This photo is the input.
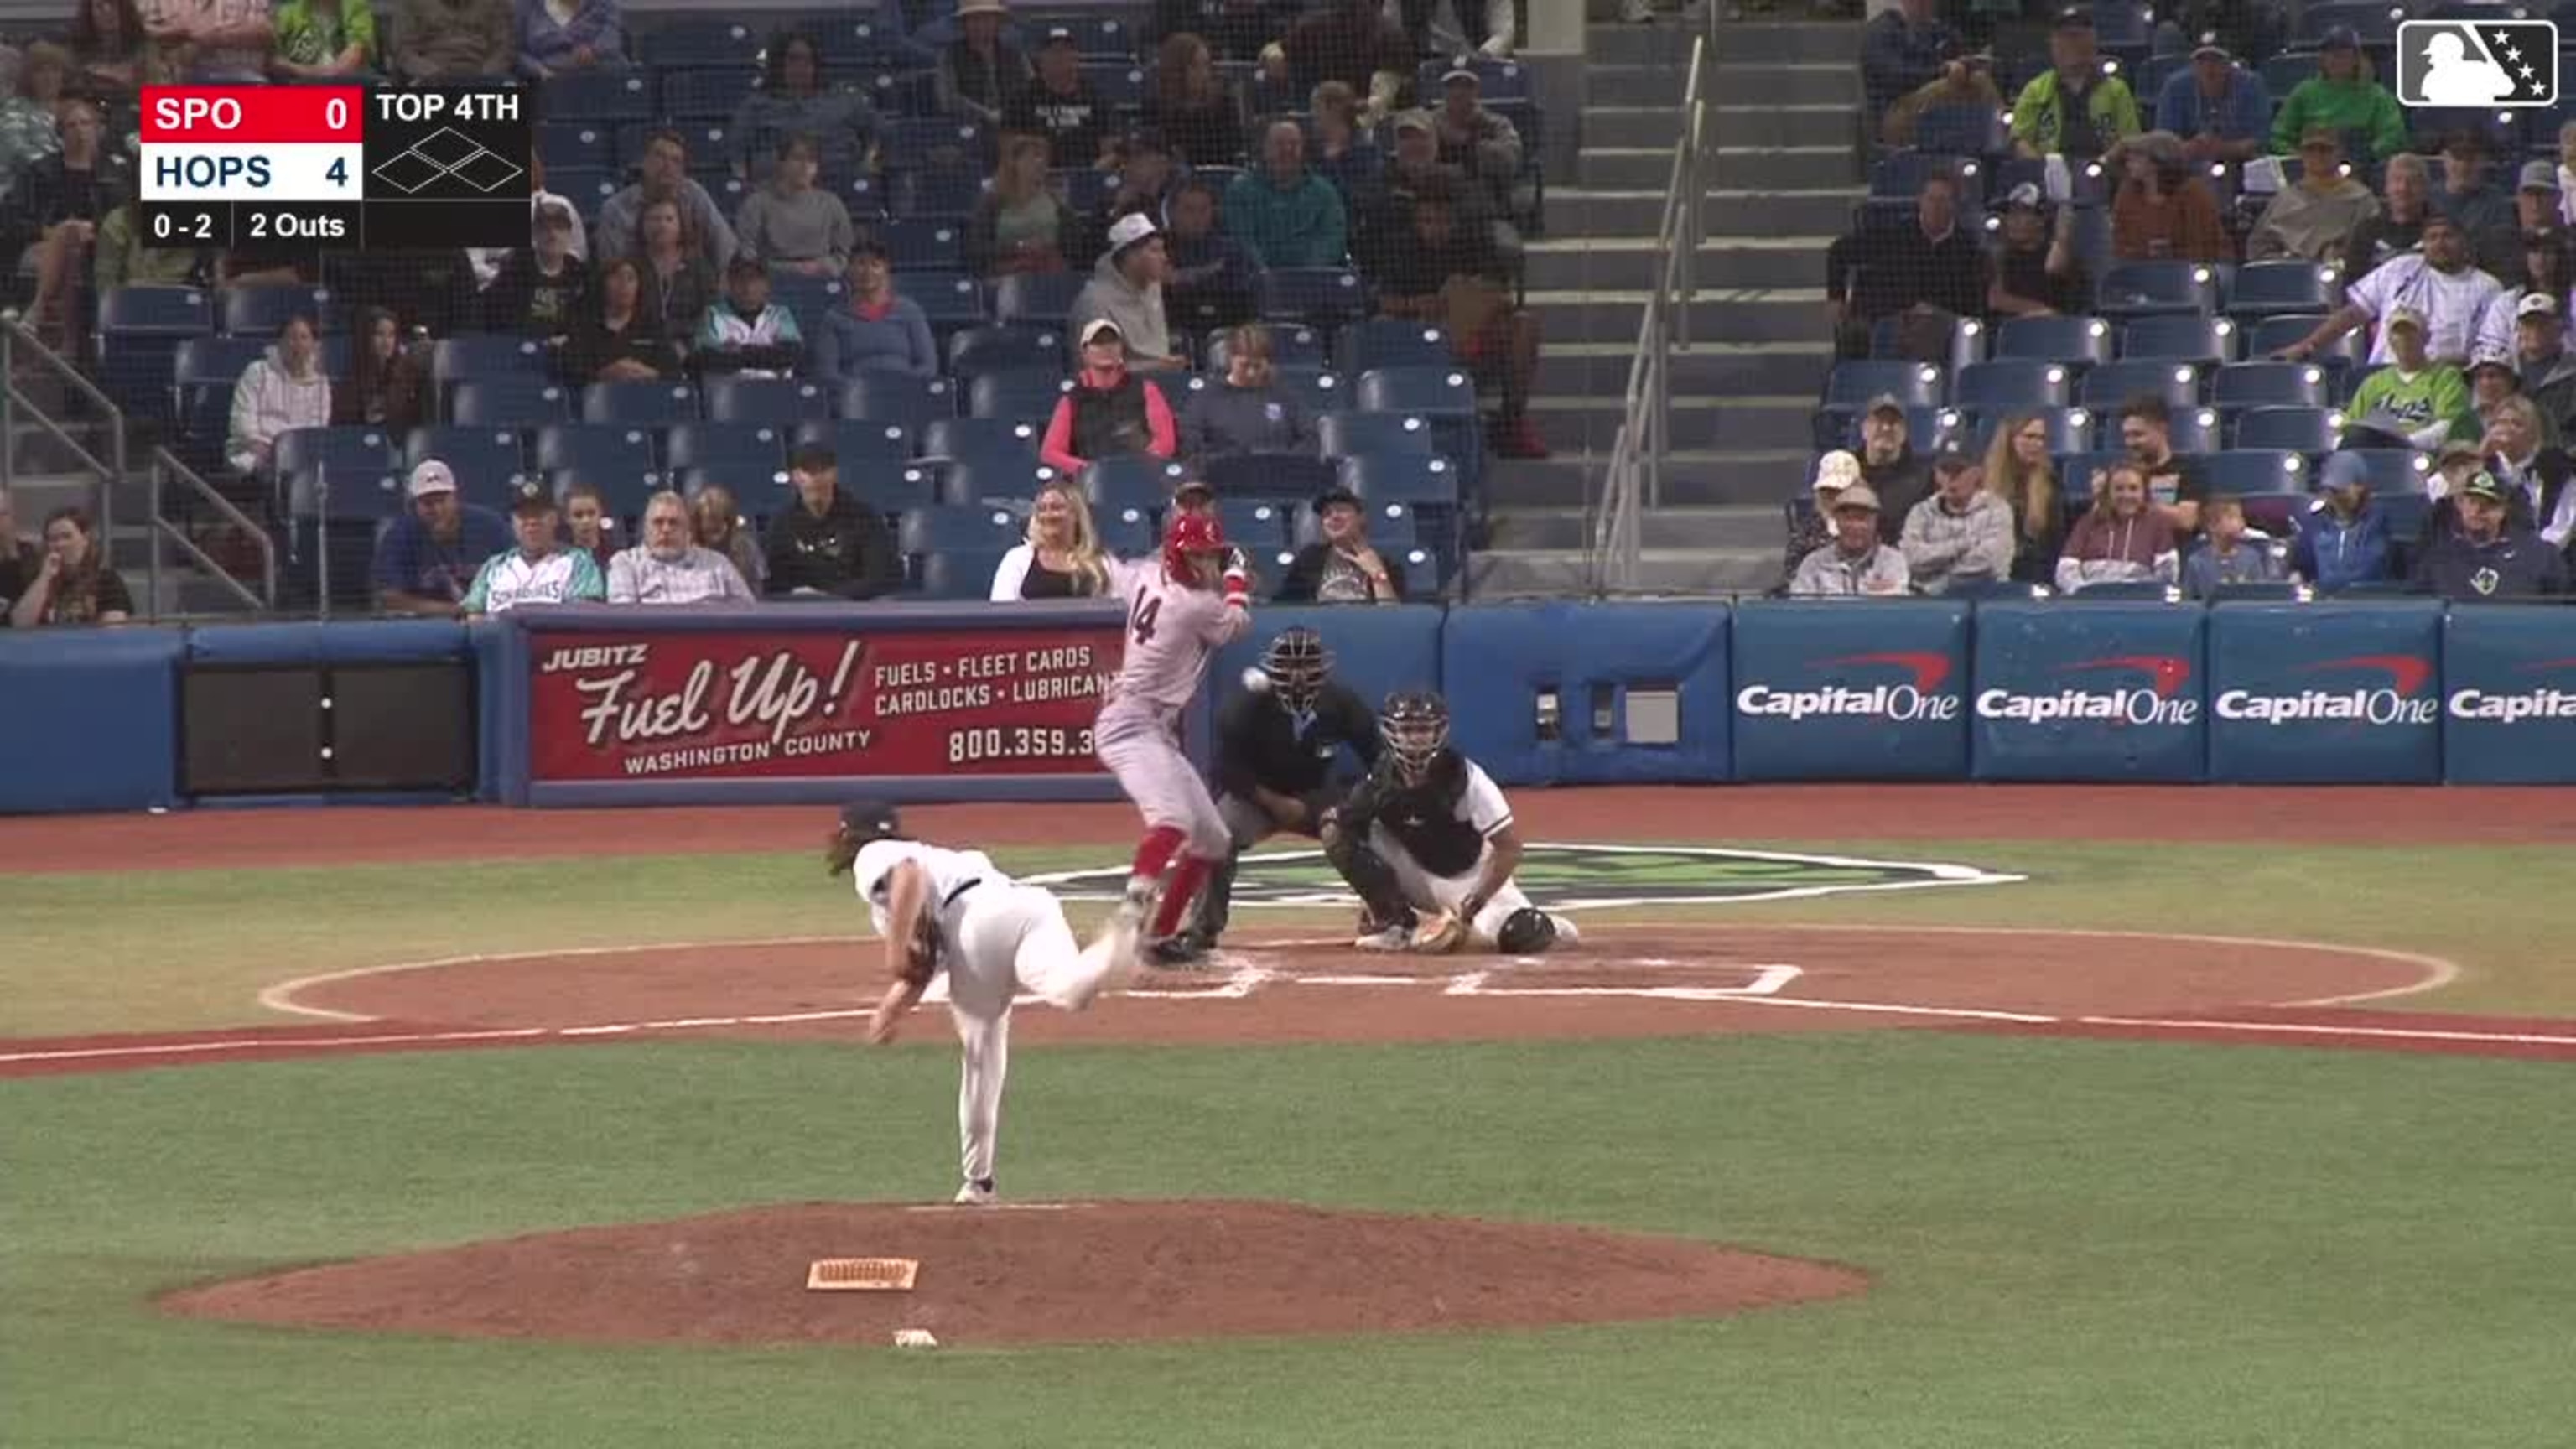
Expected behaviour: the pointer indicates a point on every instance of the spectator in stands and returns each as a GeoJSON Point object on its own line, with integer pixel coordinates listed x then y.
{"type": "Point", "coordinates": [1810, 528]}
{"type": "Point", "coordinates": [2072, 108]}
{"type": "Point", "coordinates": [2468, 197]}
{"type": "Point", "coordinates": [1192, 106]}
{"type": "Point", "coordinates": [2121, 539]}
{"type": "Point", "coordinates": [2164, 209]}
{"type": "Point", "coordinates": [324, 39]}
{"type": "Point", "coordinates": [1341, 566]}
{"type": "Point", "coordinates": [1063, 107]}
{"type": "Point", "coordinates": [72, 583]}
{"type": "Point", "coordinates": [1342, 151]}
{"type": "Point", "coordinates": [1110, 411]}
{"type": "Point", "coordinates": [28, 133]}
{"type": "Point", "coordinates": [452, 39]}
{"type": "Point", "coordinates": [486, 261]}
{"type": "Point", "coordinates": [59, 203]}
{"type": "Point", "coordinates": [1284, 214]}
{"type": "Point", "coordinates": [876, 328]}
{"type": "Point", "coordinates": [614, 339]}
{"type": "Point", "coordinates": [1212, 274]}
{"type": "Point", "coordinates": [1475, 138]}
{"type": "Point", "coordinates": [2548, 373]}
{"type": "Point", "coordinates": [2229, 556]}
{"type": "Point", "coordinates": [282, 390]}
{"type": "Point", "coordinates": [1414, 170]}
{"type": "Point", "coordinates": [535, 569]}
{"type": "Point", "coordinates": [793, 100]}
{"type": "Point", "coordinates": [2437, 281]}
{"type": "Point", "coordinates": [2567, 174]}
{"type": "Point", "coordinates": [2175, 483]}
{"type": "Point", "coordinates": [2489, 555]}
{"type": "Point", "coordinates": [212, 42]}
{"type": "Point", "coordinates": [2035, 270]}
{"type": "Point", "coordinates": [540, 288]}
{"type": "Point", "coordinates": [746, 334]}
{"type": "Point", "coordinates": [1484, 26]}
{"type": "Point", "coordinates": [2415, 400]}
{"type": "Point", "coordinates": [1246, 411]}
{"type": "Point", "coordinates": [668, 568]}
{"type": "Point", "coordinates": [1902, 49]}
{"type": "Point", "coordinates": [386, 379]}
{"type": "Point", "coordinates": [829, 544]}
{"type": "Point", "coordinates": [1967, 80]}
{"type": "Point", "coordinates": [2548, 269]}
{"type": "Point", "coordinates": [1144, 183]}
{"type": "Point", "coordinates": [1858, 561]}
{"type": "Point", "coordinates": [1962, 533]}
{"type": "Point", "coordinates": [2341, 97]}
{"type": "Point", "coordinates": [1452, 278]}
{"type": "Point", "coordinates": [1059, 555]}
{"type": "Point", "coordinates": [2534, 474]}
{"type": "Point", "coordinates": [1350, 41]}
{"type": "Point", "coordinates": [2492, 380]}
{"type": "Point", "coordinates": [1127, 288]}
{"type": "Point", "coordinates": [1019, 224]}
{"type": "Point", "coordinates": [1928, 269]}
{"type": "Point", "coordinates": [2406, 198]}
{"type": "Point", "coordinates": [1897, 475]}
{"type": "Point", "coordinates": [2221, 109]}
{"type": "Point", "coordinates": [586, 524]}
{"type": "Point", "coordinates": [980, 72]}
{"type": "Point", "coordinates": [2535, 202]}
{"type": "Point", "coordinates": [19, 559]}
{"type": "Point", "coordinates": [555, 36]}
{"type": "Point", "coordinates": [720, 529]}
{"type": "Point", "coordinates": [1239, 29]}
{"type": "Point", "coordinates": [663, 172]}
{"type": "Point", "coordinates": [2342, 535]}
{"type": "Point", "coordinates": [2020, 471]}
{"type": "Point", "coordinates": [120, 257]}
{"type": "Point", "coordinates": [109, 42]}
{"type": "Point", "coordinates": [793, 224]}
{"type": "Point", "coordinates": [2318, 218]}
{"type": "Point", "coordinates": [428, 556]}
{"type": "Point", "coordinates": [679, 283]}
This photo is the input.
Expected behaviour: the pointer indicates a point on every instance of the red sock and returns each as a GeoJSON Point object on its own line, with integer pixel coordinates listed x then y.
{"type": "Point", "coordinates": [1187, 875]}
{"type": "Point", "coordinates": [1160, 845]}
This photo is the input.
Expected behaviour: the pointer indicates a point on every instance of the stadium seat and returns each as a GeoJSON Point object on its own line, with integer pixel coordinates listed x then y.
{"type": "Point", "coordinates": [892, 490]}
{"type": "Point", "coordinates": [462, 359]}
{"type": "Point", "coordinates": [261, 311]}
{"type": "Point", "coordinates": [2072, 340]}
{"type": "Point", "coordinates": [2241, 471]}
{"type": "Point", "coordinates": [1967, 342]}
{"type": "Point", "coordinates": [600, 94]}
{"type": "Point", "coordinates": [991, 480]}
{"type": "Point", "coordinates": [2112, 384]}
{"type": "Point", "coordinates": [623, 491]}
{"type": "Point", "coordinates": [1900, 175]}
{"type": "Point", "coordinates": [1434, 392]}
{"type": "Point", "coordinates": [1039, 299]}
{"type": "Point", "coordinates": [1099, 34]}
{"type": "Point", "coordinates": [2076, 471]}
{"type": "Point", "coordinates": [1131, 482]}
{"type": "Point", "coordinates": [1290, 347]}
{"type": "Point", "coordinates": [2375, 21]}
{"type": "Point", "coordinates": [2124, 593]}
{"type": "Point", "coordinates": [1126, 532]}
{"type": "Point", "coordinates": [2266, 289]}
{"type": "Point", "coordinates": [214, 361]}
{"type": "Point", "coordinates": [595, 448]}
{"type": "Point", "coordinates": [1959, 131]}
{"type": "Point", "coordinates": [725, 444]}
{"type": "Point", "coordinates": [2195, 430]}
{"type": "Point", "coordinates": [1322, 392]}
{"type": "Point", "coordinates": [710, 93]}
{"type": "Point", "coordinates": [776, 400]}
{"type": "Point", "coordinates": [508, 402]}
{"type": "Point", "coordinates": [2141, 289]}
{"type": "Point", "coordinates": [1008, 347]}
{"type": "Point", "coordinates": [2270, 334]}
{"type": "Point", "coordinates": [1497, 80]}
{"type": "Point", "coordinates": [2283, 73]}
{"type": "Point", "coordinates": [2013, 384]}
{"type": "Point", "coordinates": [1084, 189]}
{"type": "Point", "coordinates": [948, 299]}
{"type": "Point", "coordinates": [863, 196]}
{"type": "Point", "coordinates": [2408, 511]}
{"type": "Point", "coordinates": [496, 454]}
{"type": "Point", "coordinates": [2301, 429]}
{"type": "Point", "coordinates": [1315, 296]}
{"type": "Point", "coordinates": [747, 481]}
{"type": "Point", "coordinates": [656, 403]}
{"type": "Point", "coordinates": [894, 397]}
{"type": "Point", "coordinates": [2395, 471]}
{"type": "Point", "coordinates": [135, 328]}
{"type": "Point", "coordinates": [2070, 430]}
{"type": "Point", "coordinates": [811, 299]}
{"type": "Point", "coordinates": [1273, 475]}
{"type": "Point", "coordinates": [699, 40]}
{"type": "Point", "coordinates": [938, 530]}
{"type": "Point", "coordinates": [2269, 384]}
{"type": "Point", "coordinates": [1925, 428]}
{"type": "Point", "coordinates": [1377, 342]}
{"type": "Point", "coordinates": [2281, 592]}
{"type": "Point", "coordinates": [573, 145]}
{"type": "Point", "coordinates": [961, 575]}
{"type": "Point", "coordinates": [866, 441]}
{"type": "Point", "coordinates": [1028, 394]}
{"type": "Point", "coordinates": [356, 452]}
{"type": "Point", "coordinates": [2206, 340]}
{"type": "Point", "coordinates": [936, 143]}
{"type": "Point", "coordinates": [979, 440]}
{"type": "Point", "coordinates": [1120, 85]}
{"type": "Point", "coordinates": [913, 189]}
{"type": "Point", "coordinates": [1259, 524]}
{"type": "Point", "coordinates": [850, 41]}
{"type": "Point", "coordinates": [1855, 383]}
{"type": "Point", "coordinates": [1351, 435]}
{"type": "Point", "coordinates": [922, 243]}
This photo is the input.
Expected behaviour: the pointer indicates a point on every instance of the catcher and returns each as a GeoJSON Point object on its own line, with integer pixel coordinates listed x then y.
{"type": "Point", "coordinates": [951, 910]}
{"type": "Point", "coordinates": [1427, 842]}
{"type": "Point", "coordinates": [1276, 744]}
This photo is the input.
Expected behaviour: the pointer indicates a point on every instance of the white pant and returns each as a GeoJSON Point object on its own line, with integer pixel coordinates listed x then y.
{"type": "Point", "coordinates": [1428, 892]}
{"type": "Point", "coordinates": [1007, 938]}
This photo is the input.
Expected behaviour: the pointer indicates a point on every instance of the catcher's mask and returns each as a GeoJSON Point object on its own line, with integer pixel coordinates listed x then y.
{"type": "Point", "coordinates": [861, 822]}
{"type": "Point", "coordinates": [1415, 726]}
{"type": "Point", "coordinates": [1297, 663]}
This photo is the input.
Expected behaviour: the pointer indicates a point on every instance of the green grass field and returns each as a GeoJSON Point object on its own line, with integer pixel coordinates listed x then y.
{"type": "Point", "coordinates": [2082, 1243]}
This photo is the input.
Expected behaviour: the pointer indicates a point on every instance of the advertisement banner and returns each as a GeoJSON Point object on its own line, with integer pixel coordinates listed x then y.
{"type": "Point", "coordinates": [2325, 694]}
{"type": "Point", "coordinates": [2509, 695]}
{"type": "Point", "coordinates": [2067, 690]}
{"type": "Point", "coordinates": [755, 704]}
{"type": "Point", "coordinates": [1851, 689]}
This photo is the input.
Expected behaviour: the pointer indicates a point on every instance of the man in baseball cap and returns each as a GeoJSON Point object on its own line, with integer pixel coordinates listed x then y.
{"type": "Point", "coordinates": [1855, 563]}
{"type": "Point", "coordinates": [2340, 97]}
{"type": "Point", "coordinates": [1127, 289]}
{"type": "Point", "coordinates": [2485, 553]}
{"type": "Point", "coordinates": [2035, 267]}
{"type": "Point", "coordinates": [2073, 108]}
{"type": "Point", "coordinates": [2413, 399]}
{"type": "Point", "coordinates": [1898, 476]}
{"type": "Point", "coordinates": [1962, 533]}
{"type": "Point", "coordinates": [2315, 219]}
{"type": "Point", "coordinates": [1063, 106]}
{"type": "Point", "coordinates": [428, 556]}
{"type": "Point", "coordinates": [2547, 373]}
{"type": "Point", "coordinates": [2342, 535]}
{"type": "Point", "coordinates": [2454, 293]}
{"type": "Point", "coordinates": [2219, 108]}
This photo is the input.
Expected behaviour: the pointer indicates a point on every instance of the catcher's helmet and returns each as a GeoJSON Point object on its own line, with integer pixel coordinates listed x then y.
{"type": "Point", "coordinates": [1415, 726]}
{"type": "Point", "coordinates": [1297, 663]}
{"type": "Point", "coordinates": [1187, 534]}
{"type": "Point", "coordinates": [866, 820]}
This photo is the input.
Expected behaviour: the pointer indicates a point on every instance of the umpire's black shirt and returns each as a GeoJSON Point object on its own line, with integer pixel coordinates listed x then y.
{"type": "Point", "coordinates": [1260, 741]}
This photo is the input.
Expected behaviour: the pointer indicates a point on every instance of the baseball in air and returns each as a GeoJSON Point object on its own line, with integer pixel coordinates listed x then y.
{"type": "Point", "coordinates": [1256, 681]}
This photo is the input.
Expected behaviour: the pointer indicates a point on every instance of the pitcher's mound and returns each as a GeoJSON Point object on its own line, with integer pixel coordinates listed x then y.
{"type": "Point", "coordinates": [1079, 1272]}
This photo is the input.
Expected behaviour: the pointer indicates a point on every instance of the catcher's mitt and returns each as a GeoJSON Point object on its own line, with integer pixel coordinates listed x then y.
{"type": "Point", "coordinates": [1438, 935]}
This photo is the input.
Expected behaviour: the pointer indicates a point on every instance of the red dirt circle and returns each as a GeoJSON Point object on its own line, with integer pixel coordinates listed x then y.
{"type": "Point", "coordinates": [1027, 1273]}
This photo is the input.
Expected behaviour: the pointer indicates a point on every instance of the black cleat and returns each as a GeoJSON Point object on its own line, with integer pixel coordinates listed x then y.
{"type": "Point", "coordinates": [1177, 953]}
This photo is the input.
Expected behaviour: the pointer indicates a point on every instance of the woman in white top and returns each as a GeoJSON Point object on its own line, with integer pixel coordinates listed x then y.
{"type": "Point", "coordinates": [1062, 558]}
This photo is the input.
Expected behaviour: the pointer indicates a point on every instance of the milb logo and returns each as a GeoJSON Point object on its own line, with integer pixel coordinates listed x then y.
{"type": "Point", "coordinates": [2516, 708]}
{"type": "Point", "coordinates": [1917, 699]}
{"type": "Point", "coordinates": [2395, 703]}
{"type": "Point", "coordinates": [2480, 63]}
{"type": "Point", "coordinates": [2157, 702]}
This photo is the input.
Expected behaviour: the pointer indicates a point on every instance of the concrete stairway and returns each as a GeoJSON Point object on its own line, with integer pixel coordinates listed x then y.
{"type": "Point", "coordinates": [45, 475]}
{"type": "Point", "coordinates": [1786, 176]}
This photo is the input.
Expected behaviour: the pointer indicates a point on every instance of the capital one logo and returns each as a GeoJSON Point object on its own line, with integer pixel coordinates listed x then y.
{"type": "Point", "coordinates": [2537, 703]}
{"type": "Point", "coordinates": [1916, 697]}
{"type": "Point", "coordinates": [2393, 704]}
{"type": "Point", "coordinates": [2151, 695]}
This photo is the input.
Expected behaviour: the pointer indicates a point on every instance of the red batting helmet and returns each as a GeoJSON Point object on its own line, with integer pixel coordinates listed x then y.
{"type": "Point", "coordinates": [1186, 534]}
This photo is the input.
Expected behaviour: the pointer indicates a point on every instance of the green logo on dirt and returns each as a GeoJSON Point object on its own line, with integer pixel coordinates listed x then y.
{"type": "Point", "coordinates": [1589, 877]}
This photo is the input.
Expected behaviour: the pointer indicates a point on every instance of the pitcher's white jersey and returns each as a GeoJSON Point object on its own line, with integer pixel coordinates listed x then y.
{"type": "Point", "coordinates": [946, 871]}
{"type": "Point", "coordinates": [1172, 630]}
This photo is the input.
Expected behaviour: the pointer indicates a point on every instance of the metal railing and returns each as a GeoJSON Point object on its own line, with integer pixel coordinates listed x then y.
{"type": "Point", "coordinates": [167, 467]}
{"type": "Point", "coordinates": [1634, 480]}
{"type": "Point", "coordinates": [22, 354]}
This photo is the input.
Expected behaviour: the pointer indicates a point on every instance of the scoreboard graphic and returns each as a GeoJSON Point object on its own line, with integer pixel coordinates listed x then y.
{"type": "Point", "coordinates": [298, 168]}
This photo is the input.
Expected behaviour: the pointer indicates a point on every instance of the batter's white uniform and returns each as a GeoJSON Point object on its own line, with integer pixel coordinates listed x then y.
{"type": "Point", "coordinates": [1481, 809]}
{"type": "Point", "coordinates": [1172, 632]}
{"type": "Point", "coordinates": [998, 938]}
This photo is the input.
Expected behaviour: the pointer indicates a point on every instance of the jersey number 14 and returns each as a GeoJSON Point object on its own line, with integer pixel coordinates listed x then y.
{"type": "Point", "coordinates": [1140, 619]}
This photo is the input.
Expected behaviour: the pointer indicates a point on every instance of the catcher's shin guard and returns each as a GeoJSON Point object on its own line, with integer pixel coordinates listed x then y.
{"type": "Point", "coordinates": [1369, 877]}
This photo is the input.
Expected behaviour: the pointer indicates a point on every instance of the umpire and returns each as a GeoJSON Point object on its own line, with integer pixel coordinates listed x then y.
{"type": "Point", "coordinates": [1275, 749]}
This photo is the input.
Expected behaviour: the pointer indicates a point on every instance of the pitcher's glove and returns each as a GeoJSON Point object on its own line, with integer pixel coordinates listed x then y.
{"type": "Point", "coordinates": [1440, 934]}
{"type": "Point", "coordinates": [922, 953]}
